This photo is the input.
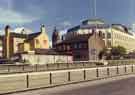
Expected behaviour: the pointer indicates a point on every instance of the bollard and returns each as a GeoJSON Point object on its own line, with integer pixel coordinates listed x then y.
{"type": "Point", "coordinates": [27, 80]}
{"type": "Point", "coordinates": [50, 76]}
{"type": "Point", "coordinates": [132, 68]}
{"type": "Point", "coordinates": [84, 74]}
{"type": "Point", "coordinates": [69, 79]}
{"type": "Point", "coordinates": [108, 72]}
{"type": "Point", "coordinates": [125, 69]}
{"type": "Point", "coordinates": [97, 72]}
{"type": "Point", "coordinates": [117, 70]}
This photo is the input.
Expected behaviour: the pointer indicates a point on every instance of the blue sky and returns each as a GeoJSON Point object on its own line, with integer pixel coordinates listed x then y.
{"type": "Point", "coordinates": [63, 13]}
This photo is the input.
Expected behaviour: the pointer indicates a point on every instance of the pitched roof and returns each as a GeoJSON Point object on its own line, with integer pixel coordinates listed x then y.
{"type": "Point", "coordinates": [77, 38]}
{"type": "Point", "coordinates": [18, 35]}
{"type": "Point", "coordinates": [32, 36]}
{"type": "Point", "coordinates": [48, 52]}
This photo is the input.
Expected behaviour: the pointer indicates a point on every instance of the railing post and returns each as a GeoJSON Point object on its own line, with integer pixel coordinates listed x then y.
{"type": "Point", "coordinates": [132, 68]}
{"type": "Point", "coordinates": [23, 68]}
{"type": "Point", "coordinates": [117, 70]}
{"type": "Point", "coordinates": [50, 78]}
{"type": "Point", "coordinates": [84, 72]}
{"type": "Point", "coordinates": [69, 78]}
{"type": "Point", "coordinates": [125, 69]}
{"type": "Point", "coordinates": [27, 80]}
{"type": "Point", "coordinates": [108, 71]}
{"type": "Point", "coordinates": [97, 70]}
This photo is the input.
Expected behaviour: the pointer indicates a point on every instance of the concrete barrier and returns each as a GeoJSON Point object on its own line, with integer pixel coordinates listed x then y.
{"type": "Point", "coordinates": [76, 75]}
{"type": "Point", "coordinates": [121, 70]}
{"type": "Point", "coordinates": [29, 68]}
{"type": "Point", "coordinates": [133, 68]}
{"type": "Point", "coordinates": [102, 72]}
{"type": "Point", "coordinates": [37, 80]}
{"type": "Point", "coordinates": [40, 67]}
{"type": "Point", "coordinates": [20, 82]}
{"type": "Point", "coordinates": [12, 83]}
{"type": "Point", "coordinates": [16, 69]}
{"type": "Point", "coordinates": [113, 71]}
{"type": "Point", "coordinates": [128, 69]}
{"type": "Point", "coordinates": [52, 66]}
{"type": "Point", "coordinates": [91, 74]}
{"type": "Point", "coordinates": [4, 69]}
{"type": "Point", "coordinates": [59, 77]}
{"type": "Point", "coordinates": [63, 66]}
{"type": "Point", "coordinates": [71, 65]}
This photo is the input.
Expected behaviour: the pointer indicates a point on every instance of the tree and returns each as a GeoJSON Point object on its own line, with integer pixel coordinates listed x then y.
{"type": "Point", "coordinates": [118, 51]}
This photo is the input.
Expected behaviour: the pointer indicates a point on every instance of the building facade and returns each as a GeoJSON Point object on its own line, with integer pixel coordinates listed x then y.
{"type": "Point", "coordinates": [17, 42]}
{"type": "Point", "coordinates": [109, 34]}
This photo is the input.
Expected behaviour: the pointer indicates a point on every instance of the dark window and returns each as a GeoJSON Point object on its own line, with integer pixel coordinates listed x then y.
{"type": "Point", "coordinates": [75, 46]}
{"type": "Point", "coordinates": [108, 35]}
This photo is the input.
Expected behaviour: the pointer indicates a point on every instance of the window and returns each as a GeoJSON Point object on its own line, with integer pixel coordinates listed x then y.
{"type": "Point", "coordinates": [108, 35]}
{"type": "Point", "coordinates": [75, 46]}
{"type": "Point", "coordinates": [45, 41]}
{"type": "Point", "coordinates": [80, 45]}
{"type": "Point", "coordinates": [37, 41]}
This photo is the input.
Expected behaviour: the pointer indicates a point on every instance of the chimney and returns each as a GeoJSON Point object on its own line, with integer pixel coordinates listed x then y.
{"type": "Point", "coordinates": [42, 29]}
{"type": "Point", "coordinates": [7, 42]}
{"type": "Point", "coordinates": [7, 30]}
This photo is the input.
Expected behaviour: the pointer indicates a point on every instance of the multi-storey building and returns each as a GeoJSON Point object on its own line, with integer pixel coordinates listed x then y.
{"type": "Point", "coordinates": [111, 35]}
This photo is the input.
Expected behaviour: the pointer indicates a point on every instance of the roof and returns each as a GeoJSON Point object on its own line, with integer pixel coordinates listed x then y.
{"type": "Point", "coordinates": [93, 20]}
{"type": "Point", "coordinates": [32, 36]}
{"type": "Point", "coordinates": [18, 35]}
{"type": "Point", "coordinates": [99, 26]}
{"type": "Point", "coordinates": [77, 38]}
{"type": "Point", "coordinates": [48, 52]}
{"type": "Point", "coordinates": [121, 28]}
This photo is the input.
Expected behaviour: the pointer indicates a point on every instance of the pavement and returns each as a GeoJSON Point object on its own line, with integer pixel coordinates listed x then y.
{"type": "Point", "coordinates": [122, 85]}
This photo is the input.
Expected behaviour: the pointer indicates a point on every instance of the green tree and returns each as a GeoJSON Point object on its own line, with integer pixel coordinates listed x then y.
{"type": "Point", "coordinates": [118, 51]}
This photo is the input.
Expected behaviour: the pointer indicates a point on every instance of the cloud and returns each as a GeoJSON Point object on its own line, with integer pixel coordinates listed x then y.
{"type": "Point", "coordinates": [22, 30]}
{"type": "Point", "coordinates": [66, 23]}
{"type": "Point", "coordinates": [12, 16]}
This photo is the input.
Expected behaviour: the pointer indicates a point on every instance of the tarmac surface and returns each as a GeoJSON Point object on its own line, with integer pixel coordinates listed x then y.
{"type": "Point", "coordinates": [123, 85]}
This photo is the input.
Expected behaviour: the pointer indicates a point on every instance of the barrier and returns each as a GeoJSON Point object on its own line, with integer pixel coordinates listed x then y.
{"type": "Point", "coordinates": [121, 70]}
{"type": "Point", "coordinates": [103, 73]}
{"type": "Point", "coordinates": [12, 83]}
{"type": "Point", "coordinates": [20, 82]}
{"type": "Point", "coordinates": [37, 80]}
{"type": "Point", "coordinates": [76, 75]}
{"type": "Point", "coordinates": [59, 77]}
{"type": "Point", "coordinates": [113, 71]}
{"type": "Point", "coordinates": [128, 69]}
{"type": "Point", "coordinates": [91, 74]}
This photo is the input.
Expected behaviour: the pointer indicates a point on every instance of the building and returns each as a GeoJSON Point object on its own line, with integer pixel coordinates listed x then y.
{"type": "Point", "coordinates": [18, 42]}
{"type": "Point", "coordinates": [83, 47]}
{"type": "Point", "coordinates": [46, 56]}
{"type": "Point", "coordinates": [109, 35]}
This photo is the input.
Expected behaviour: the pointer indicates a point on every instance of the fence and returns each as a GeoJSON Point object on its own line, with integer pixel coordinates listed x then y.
{"type": "Point", "coordinates": [27, 81]}
{"type": "Point", "coordinates": [6, 69]}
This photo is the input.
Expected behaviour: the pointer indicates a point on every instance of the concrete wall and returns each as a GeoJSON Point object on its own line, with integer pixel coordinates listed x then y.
{"type": "Point", "coordinates": [46, 59]}
{"type": "Point", "coordinates": [21, 82]}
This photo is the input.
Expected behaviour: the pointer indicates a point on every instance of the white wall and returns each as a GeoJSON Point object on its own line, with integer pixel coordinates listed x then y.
{"type": "Point", "coordinates": [46, 59]}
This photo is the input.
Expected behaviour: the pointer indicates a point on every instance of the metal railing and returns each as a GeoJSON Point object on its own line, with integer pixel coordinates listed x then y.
{"type": "Point", "coordinates": [27, 81]}
{"type": "Point", "coordinates": [12, 68]}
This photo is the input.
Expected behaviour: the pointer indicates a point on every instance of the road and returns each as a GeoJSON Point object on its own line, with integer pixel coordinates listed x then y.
{"type": "Point", "coordinates": [124, 85]}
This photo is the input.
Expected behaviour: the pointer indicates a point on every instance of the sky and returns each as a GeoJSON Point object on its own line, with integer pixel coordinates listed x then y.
{"type": "Point", "coordinates": [63, 13]}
